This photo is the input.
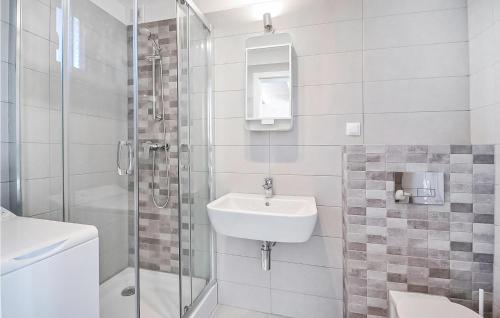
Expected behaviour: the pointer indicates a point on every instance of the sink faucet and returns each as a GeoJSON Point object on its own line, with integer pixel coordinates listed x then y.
{"type": "Point", "coordinates": [268, 187]}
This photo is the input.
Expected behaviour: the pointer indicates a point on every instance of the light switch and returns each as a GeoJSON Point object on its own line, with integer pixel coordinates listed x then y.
{"type": "Point", "coordinates": [353, 129]}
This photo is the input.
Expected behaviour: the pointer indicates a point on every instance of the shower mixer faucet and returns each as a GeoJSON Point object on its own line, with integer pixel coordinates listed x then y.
{"type": "Point", "coordinates": [150, 146]}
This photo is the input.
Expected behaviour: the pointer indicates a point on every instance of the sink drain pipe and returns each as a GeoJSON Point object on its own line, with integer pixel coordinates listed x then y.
{"type": "Point", "coordinates": [265, 251]}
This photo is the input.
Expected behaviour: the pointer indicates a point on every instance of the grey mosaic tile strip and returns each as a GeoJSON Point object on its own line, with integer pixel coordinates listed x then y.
{"type": "Point", "coordinates": [443, 250]}
{"type": "Point", "coordinates": [158, 228]}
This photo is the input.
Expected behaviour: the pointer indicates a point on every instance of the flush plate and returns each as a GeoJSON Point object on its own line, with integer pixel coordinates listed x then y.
{"type": "Point", "coordinates": [422, 187]}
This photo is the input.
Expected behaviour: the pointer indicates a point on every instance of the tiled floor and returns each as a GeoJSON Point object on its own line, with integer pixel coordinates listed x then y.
{"type": "Point", "coordinates": [233, 312]}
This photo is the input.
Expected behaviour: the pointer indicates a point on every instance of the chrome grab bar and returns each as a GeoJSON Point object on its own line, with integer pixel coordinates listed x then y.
{"type": "Point", "coordinates": [120, 170]}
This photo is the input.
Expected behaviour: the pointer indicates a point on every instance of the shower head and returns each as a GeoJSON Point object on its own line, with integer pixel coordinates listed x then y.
{"type": "Point", "coordinates": [147, 33]}
{"type": "Point", "coordinates": [153, 37]}
{"type": "Point", "coordinates": [144, 31]}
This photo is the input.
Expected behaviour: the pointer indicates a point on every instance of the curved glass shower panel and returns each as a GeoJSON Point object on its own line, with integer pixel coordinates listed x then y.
{"type": "Point", "coordinates": [199, 107]}
{"type": "Point", "coordinates": [31, 103]}
{"type": "Point", "coordinates": [194, 141]}
{"type": "Point", "coordinates": [9, 196]}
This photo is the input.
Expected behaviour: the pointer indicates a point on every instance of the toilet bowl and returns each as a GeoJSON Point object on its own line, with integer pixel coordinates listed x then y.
{"type": "Point", "coordinates": [415, 305]}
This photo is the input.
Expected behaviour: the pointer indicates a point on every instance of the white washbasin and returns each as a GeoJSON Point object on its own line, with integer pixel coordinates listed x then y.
{"type": "Point", "coordinates": [287, 219]}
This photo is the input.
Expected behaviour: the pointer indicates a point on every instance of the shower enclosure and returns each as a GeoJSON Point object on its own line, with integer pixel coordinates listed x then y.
{"type": "Point", "coordinates": [106, 120]}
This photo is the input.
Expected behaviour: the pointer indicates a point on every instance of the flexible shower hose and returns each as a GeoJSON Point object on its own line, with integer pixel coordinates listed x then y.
{"type": "Point", "coordinates": [166, 147]}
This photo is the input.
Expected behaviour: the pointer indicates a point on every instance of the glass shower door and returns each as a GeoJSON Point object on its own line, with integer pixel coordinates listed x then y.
{"type": "Point", "coordinates": [65, 108]}
{"type": "Point", "coordinates": [98, 134]}
{"type": "Point", "coordinates": [194, 153]}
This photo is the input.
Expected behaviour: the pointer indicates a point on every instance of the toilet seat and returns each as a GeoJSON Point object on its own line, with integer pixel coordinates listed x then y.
{"type": "Point", "coordinates": [415, 305]}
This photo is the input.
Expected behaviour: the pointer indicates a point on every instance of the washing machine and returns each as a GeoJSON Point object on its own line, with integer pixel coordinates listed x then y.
{"type": "Point", "coordinates": [48, 269]}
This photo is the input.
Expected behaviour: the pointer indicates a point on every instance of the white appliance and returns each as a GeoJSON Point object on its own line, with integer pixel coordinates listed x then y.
{"type": "Point", "coordinates": [48, 269]}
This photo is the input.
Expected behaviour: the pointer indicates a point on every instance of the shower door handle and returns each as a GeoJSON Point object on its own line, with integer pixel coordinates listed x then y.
{"type": "Point", "coordinates": [120, 170]}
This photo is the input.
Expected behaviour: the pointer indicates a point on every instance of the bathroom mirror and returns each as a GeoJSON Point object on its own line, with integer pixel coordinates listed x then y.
{"type": "Point", "coordinates": [269, 82]}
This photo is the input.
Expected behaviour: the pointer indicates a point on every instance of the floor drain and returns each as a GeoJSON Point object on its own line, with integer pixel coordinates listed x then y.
{"type": "Point", "coordinates": [128, 291]}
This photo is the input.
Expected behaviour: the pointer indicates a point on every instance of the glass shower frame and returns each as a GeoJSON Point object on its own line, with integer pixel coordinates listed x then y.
{"type": "Point", "coordinates": [193, 14]}
{"type": "Point", "coordinates": [188, 300]}
{"type": "Point", "coordinates": [195, 62]}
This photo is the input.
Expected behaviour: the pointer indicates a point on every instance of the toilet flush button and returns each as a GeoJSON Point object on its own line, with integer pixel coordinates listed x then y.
{"type": "Point", "coordinates": [353, 129]}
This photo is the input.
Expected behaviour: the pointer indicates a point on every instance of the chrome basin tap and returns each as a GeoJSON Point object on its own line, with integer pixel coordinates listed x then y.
{"type": "Point", "coordinates": [268, 187]}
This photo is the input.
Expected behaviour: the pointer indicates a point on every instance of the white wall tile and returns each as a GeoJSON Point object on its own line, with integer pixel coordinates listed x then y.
{"type": "Point", "coordinates": [482, 49]}
{"type": "Point", "coordinates": [237, 246]}
{"type": "Point", "coordinates": [5, 194]}
{"type": "Point", "coordinates": [319, 251]}
{"type": "Point", "coordinates": [36, 196]}
{"type": "Point", "coordinates": [483, 87]}
{"type": "Point", "coordinates": [56, 194]}
{"type": "Point", "coordinates": [198, 78]}
{"type": "Point", "coordinates": [56, 158]}
{"type": "Point", "coordinates": [7, 112]}
{"type": "Point", "coordinates": [327, 38]}
{"type": "Point", "coordinates": [232, 132]}
{"type": "Point", "coordinates": [5, 164]}
{"type": "Point", "coordinates": [418, 128]}
{"type": "Point", "coordinates": [329, 222]}
{"type": "Point", "coordinates": [496, 287]}
{"type": "Point", "coordinates": [318, 130]}
{"type": "Point", "coordinates": [373, 8]}
{"type": "Point", "coordinates": [481, 16]}
{"type": "Point", "coordinates": [239, 182]}
{"type": "Point", "coordinates": [307, 279]}
{"type": "Point", "coordinates": [306, 160]}
{"type": "Point", "coordinates": [496, 11]}
{"type": "Point", "coordinates": [92, 158]}
{"type": "Point", "coordinates": [35, 126]}
{"type": "Point", "coordinates": [244, 296]}
{"type": "Point", "coordinates": [436, 60]}
{"type": "Point", "coordinates": [36, 52]}
{"type": "Point", "coordinates": [434, 94]}
{"type": "Point", "coordinates": [329, 99]}
{"type": "Point", "coordinates": [329, 68]}
{"type": "Point", "coordinates": [229, 76]}
{"type": "Point", "coordinates": [36, 18]}
{"type": "Point", "coordinates": [416, 29]}
{"type": "Point", "coordinates": [230, 49]}
{"type": "Point", "coordinates": [56, 122]}
{"type": "Point", "coordinates": [242, 159]}
{"type": "Point", "coordinates": [7, 85]}
{"type": "Point", "coordinates": [229, 104]}
{"type": "Point", "coordinates": [8, 41]}
{"type": "Point", "coordinates": [301, 306]}
{"type": "Point", "coordinates": [7, 12]}
{"type": "Point", "coordinates": [35, 160]}
{"type": "Point", "coordinates": [484, 123]}
{"type": "Point", "coordinates": [35, 88]}
{"type": "Point", "coordinates": [326, 189]}
{"type": "Point", "coordinates": [244, 270]}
